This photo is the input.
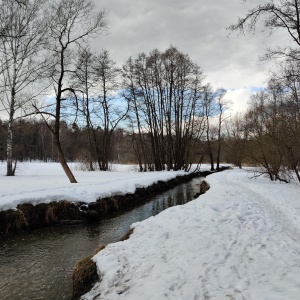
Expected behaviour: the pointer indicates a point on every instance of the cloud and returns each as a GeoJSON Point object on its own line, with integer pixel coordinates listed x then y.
{"type": "Point", "coordinates": [195, 27]}
{"type": "Point", "coordinates": [240, 99]}
{"type": "Point", "coordinates": [3, 113]}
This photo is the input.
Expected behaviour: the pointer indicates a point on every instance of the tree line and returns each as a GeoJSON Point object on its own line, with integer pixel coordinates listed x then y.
{"type": "Point", "coordinates": [66, 102]}
{"type": "Point", "coordinates": [44, 51]}
{"type": "Point", "coordinates": [271, 124]}
{"type": "Point", "coordinates": [33, 141]}
{"type": "Point", "coordinates": [268, 135]}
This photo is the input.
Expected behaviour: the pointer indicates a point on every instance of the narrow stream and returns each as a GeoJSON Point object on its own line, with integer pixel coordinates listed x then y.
{"type": "Point", "coordinates": [38, 264]}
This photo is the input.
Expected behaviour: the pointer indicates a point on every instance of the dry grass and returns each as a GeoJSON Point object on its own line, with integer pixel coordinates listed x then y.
{"type": "Point", "coordinates": [12, 220]}
{"type": "Point", "coordinates": [127, 235]}
{"type": "Point", "coordinates": [50, 216]}
{"type": "Point", "coordinates": [114, 204]}
{"type": "Point", "coordinates": [204, 187]}
{"type": "Point", "coordinates": [99, 248]}
{"type": "Point", "coordinates": [84, 276]}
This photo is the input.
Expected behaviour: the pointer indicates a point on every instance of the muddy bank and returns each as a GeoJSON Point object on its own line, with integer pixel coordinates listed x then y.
{"type": "Point", "coordinates": [28, 216]}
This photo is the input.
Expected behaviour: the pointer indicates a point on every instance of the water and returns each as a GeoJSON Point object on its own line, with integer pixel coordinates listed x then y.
{"type": "Point", "coordinates": [38, 264]}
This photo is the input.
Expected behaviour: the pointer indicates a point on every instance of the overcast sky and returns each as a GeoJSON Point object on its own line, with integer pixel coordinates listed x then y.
{"type": "Point", "coordinates": [197, 28]}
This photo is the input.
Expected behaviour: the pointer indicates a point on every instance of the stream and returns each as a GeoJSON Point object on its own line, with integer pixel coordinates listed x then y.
{"type": "Point", "coordinates": [38, 264]}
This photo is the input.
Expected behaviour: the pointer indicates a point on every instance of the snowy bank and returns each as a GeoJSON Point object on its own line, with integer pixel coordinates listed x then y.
{"type": "Point", "coordinates": [240, 240]}
{"type": "Point", "coordinates": [39, 182]}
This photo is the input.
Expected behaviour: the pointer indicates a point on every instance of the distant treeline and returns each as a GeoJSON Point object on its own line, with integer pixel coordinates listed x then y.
{"type": "Point", "coordinates": [33, 141]}
{"type": "Point", "coordinates": [154, 110]}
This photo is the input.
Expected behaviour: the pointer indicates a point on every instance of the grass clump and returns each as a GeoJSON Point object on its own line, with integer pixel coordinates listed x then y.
{"type": "Point", "coordinates": [84, 276]}
{"type": "Point", "coordinates": [204, 187]}
{"type": "Point", "coordinates": [12, 220]}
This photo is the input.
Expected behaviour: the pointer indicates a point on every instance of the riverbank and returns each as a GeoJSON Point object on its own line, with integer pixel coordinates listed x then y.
{"type": "Point", "coordinates": [38, 264]}
{"type": "Point", "coordinates": [97, 194]}
{"type": "Point", "coordinates": [240, 240]}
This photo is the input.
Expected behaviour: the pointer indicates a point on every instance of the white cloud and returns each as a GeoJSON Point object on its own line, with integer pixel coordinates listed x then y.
{"type": "Point", "coordinates": [239, 99]}
{"type": "Point", "coordinates": [195, 27]}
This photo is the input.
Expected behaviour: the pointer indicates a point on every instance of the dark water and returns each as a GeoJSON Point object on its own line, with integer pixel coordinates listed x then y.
{"type": "Point", "coordinates": [38, 265]}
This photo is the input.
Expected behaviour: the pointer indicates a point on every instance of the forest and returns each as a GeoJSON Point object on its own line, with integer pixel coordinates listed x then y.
{"type": "Point", "coordinates": [62, 101]}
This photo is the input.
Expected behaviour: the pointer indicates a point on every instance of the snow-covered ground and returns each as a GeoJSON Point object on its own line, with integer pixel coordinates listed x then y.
{"type": "Point", "coordinates": [241, 240]}
{"type": "Point", "coordinates": [39, 182]}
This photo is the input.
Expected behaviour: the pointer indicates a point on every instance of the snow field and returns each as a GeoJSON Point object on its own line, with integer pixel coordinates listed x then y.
{"type": "Point", "coordinates": [240, 240]}
{"type": "Point", "coordinates": [39, 182]}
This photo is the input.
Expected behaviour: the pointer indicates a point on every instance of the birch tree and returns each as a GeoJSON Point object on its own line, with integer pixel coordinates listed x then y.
{"type": "Point", "coordinates": [21, 41]}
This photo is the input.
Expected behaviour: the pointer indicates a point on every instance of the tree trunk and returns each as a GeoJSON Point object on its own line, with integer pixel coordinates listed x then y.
{"type": "Point", "coordinates": [62, 160]}
{"type": "Point", "coordinates": [10, 169]}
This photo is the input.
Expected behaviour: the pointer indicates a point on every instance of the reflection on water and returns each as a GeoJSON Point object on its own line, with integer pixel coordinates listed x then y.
{"type": "Point", "coordinates": [38, 264]}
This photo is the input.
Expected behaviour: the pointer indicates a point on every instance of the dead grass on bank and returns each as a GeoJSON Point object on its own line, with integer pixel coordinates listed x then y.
{"type": "Point", "coordinates": [12, 220]}
{"type": "Point", "coordinates": [85, 271]}
{"type": "Point", "coordinates": [127, 235]}
{"type": "Point", "coordinates": [204, 187]}
{"type": "Point", "coordinates": [85, 275]}
{"type": "Point", "coordinates": [27, 215]}
{"type": "Point", "coordinates": [98, 249]}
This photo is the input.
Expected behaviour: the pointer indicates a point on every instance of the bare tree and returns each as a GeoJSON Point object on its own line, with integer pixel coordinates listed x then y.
{"type": "Point", "coordinates": [84, 79]}
{"type": "Point", "coordinates": [286, 113]}
{"type": "Point", "coordinates": [222, 106]}
{"type": "Point", "coordinates": [72, 22]}
{"type": "Point", "coordinates": [273, 121]}
{"type": "Point", "coordinates": [236, 140]}
{"type": "Point", "coordinates": [165, 93]}
{"type": "Point", "coordinates": [111, 110]}
{"type": "Point", "coordinates": [264, 147]}
{"type": "Point", "coordinates": [21, 63]}
{"type": "Point", "coordinates": [276, 15]}
{"type": "Point", "coordinates": [208, 108]}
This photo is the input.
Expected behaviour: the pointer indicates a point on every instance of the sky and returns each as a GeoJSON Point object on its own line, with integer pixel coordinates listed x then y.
{"type": "Point", "coordinates": [196, 28]}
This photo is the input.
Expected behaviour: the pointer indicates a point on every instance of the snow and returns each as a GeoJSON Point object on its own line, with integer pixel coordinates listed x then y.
{"type": "Point", "coordinates": [240, 240]}
{"type": "Point", "coordinates": [38, 182]}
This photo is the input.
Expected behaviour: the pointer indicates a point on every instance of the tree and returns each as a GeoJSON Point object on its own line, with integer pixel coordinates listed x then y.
{"type": "Point", "coordinates": [165, 93]}
{"type": "Point", "coordinates": [71, 22]}
{"type": "Point", "coordinates": [273, 121]}
{"type": "Point", "coordinates": [84, 79]}
{"type": "Point", "coordinates": [264, 146]}
{"type": "Point", "coordinates": [222, 105]}
{"type": "Point", "coordinates": [276, 15]}
{"type": "Point", "coordinates": [21, 62]}
{"type": "Point", "coordinates": [111, 110]}
{"type": "Point", "coordinates": [99, 80]}
{"type": "Point", "coordinates": [286, 113]}
{"type": "Point", "coordinates": [208, 109]}
{"type": "Point", "coordinates": [236, 140]}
